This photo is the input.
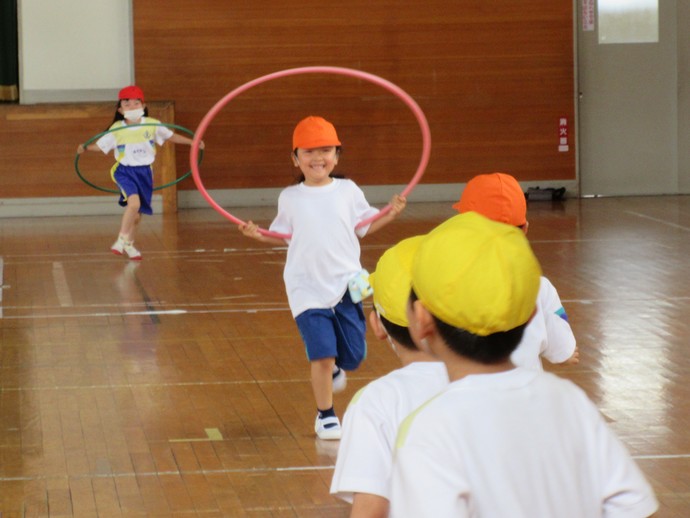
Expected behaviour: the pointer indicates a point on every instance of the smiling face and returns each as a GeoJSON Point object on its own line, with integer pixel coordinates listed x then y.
{"type": "Point", "coordinates": [316, 164]}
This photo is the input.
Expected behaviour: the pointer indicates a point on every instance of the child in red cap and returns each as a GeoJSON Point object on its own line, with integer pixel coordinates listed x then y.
{"type": "Point", "coordinates": [321, 214]}
{"type": "Point", "coordinates": [498, 196]}
{"type": "Point", "coordinates": [135, 151]}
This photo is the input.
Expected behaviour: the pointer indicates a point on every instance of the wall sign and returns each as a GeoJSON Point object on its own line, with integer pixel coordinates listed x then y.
{"type": "Point", "coordinates": [563, 145]}
{"type": "Point", "coordinates": [588, 7]}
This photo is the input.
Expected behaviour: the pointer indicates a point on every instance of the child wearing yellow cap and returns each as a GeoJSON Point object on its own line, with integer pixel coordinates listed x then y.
{"type": "Point", "coordinates": [365, 457]}
{"type": "Point", "coordinates": [500, 440]}
{"type": "Point", "coordinates": [135, 152]}
{"type": "Point", "coordinates": [321, 213]}
{"type": "Point", "coordinates": [498, 196]}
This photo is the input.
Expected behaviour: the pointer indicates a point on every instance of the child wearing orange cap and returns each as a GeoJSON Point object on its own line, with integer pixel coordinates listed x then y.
{"type": "Point", "coordinates": [321, 214]}
{"type": "Point", "coordinates": [498, 196]}
{"type": "Point", "coordinates": [500, 440]}
{"type": "Point", "coordinates": [135, 151]}
{"type": "Point", "coordinates": [365, 457]}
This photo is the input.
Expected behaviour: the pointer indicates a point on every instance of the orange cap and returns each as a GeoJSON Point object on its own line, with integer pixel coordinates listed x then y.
{"type": "Point", "coordinates": [314, 132]}
{"type": "Point", "coordinates": [497, 196]}
{"type": "Point", "coordinates": [131, 92]}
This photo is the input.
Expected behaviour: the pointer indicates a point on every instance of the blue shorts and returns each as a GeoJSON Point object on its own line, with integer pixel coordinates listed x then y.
{"type": "Point", "coordinates": [337, 332]}
{"type": "Point", "coordinates": [135, 180]}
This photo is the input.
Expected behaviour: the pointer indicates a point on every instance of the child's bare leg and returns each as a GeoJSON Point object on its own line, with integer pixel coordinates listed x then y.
{"type": "Point", "coordinates": [322, 382]}
{"type": "Point", "coordinates": [133, 232]}
{"type": "Point", "coordinates": [131, 217]}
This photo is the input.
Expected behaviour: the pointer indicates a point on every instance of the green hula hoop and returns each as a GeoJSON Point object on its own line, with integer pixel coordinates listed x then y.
{"type": "Point", "coordinates": [111, 130]}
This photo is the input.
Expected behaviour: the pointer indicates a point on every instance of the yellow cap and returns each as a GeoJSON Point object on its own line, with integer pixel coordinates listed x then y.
{"type": "Point", "coordinates": [476, 274]}
{"type": "Point", "coordinates": [392, 280]}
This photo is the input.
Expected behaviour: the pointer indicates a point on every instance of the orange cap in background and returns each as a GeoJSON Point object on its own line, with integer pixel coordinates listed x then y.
{"type": "Point", "coordinates": [131, 92]}
{"type": "Point", "coordinates": [314, 132]}
{"type": "Point", "coordinates": [497, 196]}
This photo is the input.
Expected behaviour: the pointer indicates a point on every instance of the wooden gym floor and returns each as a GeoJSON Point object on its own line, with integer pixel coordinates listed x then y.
{"type": "Point", "coordinates": [179, 386]}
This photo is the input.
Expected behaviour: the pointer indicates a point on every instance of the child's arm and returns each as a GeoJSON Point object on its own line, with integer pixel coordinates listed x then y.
{"type": "Point", "coordinates": [91, 147]}
{"type": "Point", "coordinates": [366, 505]}
{"type": "Point", "coordinates": [398, 204]}
{"type": "Point", "coordinates": [181, 139]}
{"type": "Point", "coordinates": [560, 345]}
{"type": "Point", "coordinates": [251, 229]}
{"type": "Point", "coordinates": [575, 358]}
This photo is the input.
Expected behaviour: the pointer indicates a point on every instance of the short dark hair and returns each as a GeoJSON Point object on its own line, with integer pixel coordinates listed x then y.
{"type": "Point", "coordinates": [490, 349]}
{"type": "Point", "coordinates": [400, 334]}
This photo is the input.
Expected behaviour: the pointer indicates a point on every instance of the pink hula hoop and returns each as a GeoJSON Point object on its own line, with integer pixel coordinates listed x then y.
{"type": "Point", "coordinates": [397, 91]}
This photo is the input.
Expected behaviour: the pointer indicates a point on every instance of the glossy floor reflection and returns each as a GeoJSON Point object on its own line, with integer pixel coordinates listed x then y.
{"type": "Point", "coordinates": [178, 386]}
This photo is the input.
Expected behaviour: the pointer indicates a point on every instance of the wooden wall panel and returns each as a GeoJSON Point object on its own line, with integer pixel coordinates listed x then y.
{"type": "Point", "coordinates": [39, 144]}
{"type": "Point", "coordinates": [492, 76]}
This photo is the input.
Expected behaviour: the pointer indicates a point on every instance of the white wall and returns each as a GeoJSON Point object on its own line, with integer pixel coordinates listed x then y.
{"type": "Point", "coordinates": [633, 110]}
{"type": "Point", "coordinates": [74, 50]}
{"type": "Point", "coordinates": [683, 21]}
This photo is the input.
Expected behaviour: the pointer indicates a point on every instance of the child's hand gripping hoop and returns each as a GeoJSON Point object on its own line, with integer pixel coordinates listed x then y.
{"type": "Point", "coordinates": [396, 90]}
{"type": "Point", "coordinates": [111, 130]}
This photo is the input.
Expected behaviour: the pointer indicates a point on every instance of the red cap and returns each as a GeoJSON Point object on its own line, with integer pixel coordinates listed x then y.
{"type": "Point", "coordinates": [497, 196]}
{"type": "Point", "coordinates": [314, 132]}
{"type": "Point", "coordinates": [131, 92]}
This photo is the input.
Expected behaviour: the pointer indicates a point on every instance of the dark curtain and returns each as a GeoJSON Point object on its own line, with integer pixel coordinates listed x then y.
{"type": "Point", "coordinates": [9, 62]}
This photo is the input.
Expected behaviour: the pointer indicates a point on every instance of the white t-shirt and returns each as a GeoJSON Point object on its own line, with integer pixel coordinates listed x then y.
{"type": "Point", "coordinates": [365, 456]}
{"type": "Point", "coordinates": [548, 334]}
{"type": "Point", "coordinates": [323, 254]}
{"type": "Point", "coordinates": [135, 146]}
{"type": "Point", "coordinates": [518, 444]}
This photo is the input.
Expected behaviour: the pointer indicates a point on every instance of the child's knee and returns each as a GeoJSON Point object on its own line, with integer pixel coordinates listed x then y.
{"type": "Point", "coordinates": [323, 364]}
{"type": "Point", "coordinates": [134, 203]}
{"type": "Point", "coordinates": [350, 357]}
{"type": "Point", "coordinates": [351, 363]}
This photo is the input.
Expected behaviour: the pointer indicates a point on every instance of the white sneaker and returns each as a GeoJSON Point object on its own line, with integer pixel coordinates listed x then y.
{"type": "Point", "coordinates": [339, 381]}
{"type": "Point", "coordinates": [328, 428]}
{"type": "Point", "coordinates": [118, 246]}
{"type": "Point", "coordinates": [132, 253]}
